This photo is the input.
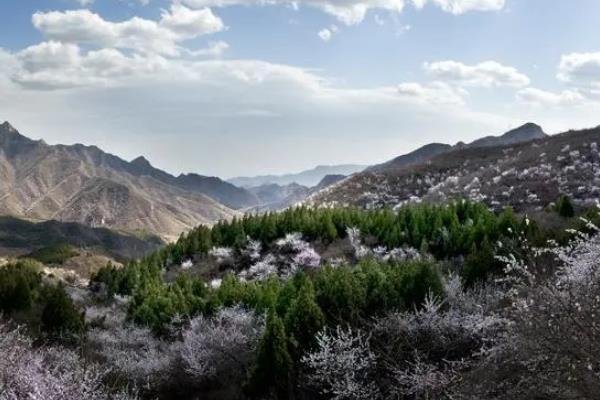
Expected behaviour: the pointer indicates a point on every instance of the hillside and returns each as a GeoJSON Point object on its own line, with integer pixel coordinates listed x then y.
{"type": "Point", "coordinates": [84, 184]}
{"type": "Point", "coordinates": [22, 237]}
{"type": "Point", "coordinates": [527, 176]}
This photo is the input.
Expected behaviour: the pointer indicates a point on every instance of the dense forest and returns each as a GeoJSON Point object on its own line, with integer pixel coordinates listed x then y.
{"type": "Point", "coordinates": [426, 302]}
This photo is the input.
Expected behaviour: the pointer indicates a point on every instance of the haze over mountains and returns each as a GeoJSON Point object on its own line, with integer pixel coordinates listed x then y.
{"type": "Point", "coordinates": [308, 178]}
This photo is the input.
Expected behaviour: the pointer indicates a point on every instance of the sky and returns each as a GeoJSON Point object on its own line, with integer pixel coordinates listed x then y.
{"type": "Point", "coordinates": [249, 87]}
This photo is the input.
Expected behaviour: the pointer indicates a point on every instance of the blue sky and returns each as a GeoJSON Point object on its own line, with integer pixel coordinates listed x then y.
{"type": "Point", "coordinates": [238, 87]}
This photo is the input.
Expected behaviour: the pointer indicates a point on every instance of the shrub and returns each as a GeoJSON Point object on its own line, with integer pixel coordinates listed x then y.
{"type": "Point", "coordinates": [60, 317]}
{"type": "Point", "coordinates": [564, 207]}
{"type": "Point", "coordinates": [19, 286]}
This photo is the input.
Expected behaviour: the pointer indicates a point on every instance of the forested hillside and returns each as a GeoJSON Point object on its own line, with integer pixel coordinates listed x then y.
{"type": "Point", "coordinates": [331, 303]}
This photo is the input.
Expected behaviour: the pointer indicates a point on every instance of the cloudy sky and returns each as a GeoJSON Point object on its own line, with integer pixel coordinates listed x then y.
{"type": "Point", "coordinates": [242, 87]}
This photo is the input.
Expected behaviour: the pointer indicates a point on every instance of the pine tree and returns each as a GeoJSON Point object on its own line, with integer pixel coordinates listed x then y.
{"type": "Point", "coordinates": [303, 320]}
{"type": "Point", "coordinates": [273, 367]}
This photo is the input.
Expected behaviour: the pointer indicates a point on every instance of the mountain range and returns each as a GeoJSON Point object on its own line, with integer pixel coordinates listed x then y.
{"type": "Point", "coordinates": [308, 178]}
{"type": "Point", "coordinates": [83, 184]}
{"type": "Point", "coordinates": [524, 168]}
{"type": "Point", "coordinates": [86, 185]}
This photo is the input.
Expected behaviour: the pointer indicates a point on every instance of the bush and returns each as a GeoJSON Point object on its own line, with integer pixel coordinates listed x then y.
{"type": "Point", "coordinates": [60, 317]}
{"type": "Point", "coordinates": [564, 207]}
{"type": "Point", "coordinates": [19, 286]}
{"type": "Point", "coordinates": [56, 254]}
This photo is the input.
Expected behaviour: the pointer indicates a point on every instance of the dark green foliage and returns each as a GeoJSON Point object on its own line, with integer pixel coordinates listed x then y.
{"type": "Point", "coordinates": [55, 254]}
{"type": "Point", "coordinates": [340, 294]}
{"type": "Point", "coordinates": [343, 295]}
{"type": "Point", "coordinates": [60, 317]}
{"type": "Point", "coordinates": [564, 207]}
{"type": "Point", "coordinates": [20, 234]}
{"type": "Point", "coordinates": [443, 230]}
{"type": "Point", "coordinates": [481, 264]}
{"type": "Point", "coordinates": [19, 286]}
{"type": "Point", "coordinates": [303, 319]}
{"type": "Point", "coordinates": [273, 368]}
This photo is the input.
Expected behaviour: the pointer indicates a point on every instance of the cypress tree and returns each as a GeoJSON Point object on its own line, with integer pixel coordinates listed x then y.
{"type": "Point", "coordinates": [273, 367]}
{"type": "Point", "coordinates": [303, 320]}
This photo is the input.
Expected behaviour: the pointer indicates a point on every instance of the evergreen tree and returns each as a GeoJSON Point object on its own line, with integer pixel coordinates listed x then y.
{"type": "Point", "coordinates": [59, 315]}
{"type": "Point", "coordinates": [564, 207]}
{"type": "Point", "coordinates": [272, 372]}
{"type": "Point", "coordinates": [303, 320]}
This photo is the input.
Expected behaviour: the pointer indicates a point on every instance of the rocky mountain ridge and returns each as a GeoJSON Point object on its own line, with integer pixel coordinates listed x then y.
{"type": "Point", "coordinates": [83, 184]}
{"type": "Point", "coordinates": [528, 175]}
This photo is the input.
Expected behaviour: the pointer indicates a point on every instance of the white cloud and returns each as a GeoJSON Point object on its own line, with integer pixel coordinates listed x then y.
{"type": "Point", "coordinates": [433, 93]}
{"type": "Point", "coordinates": [580, 69]}
{"type": "Point", "coordinates": [213, 104]}
{"type": "Point", "coordinates": [458, 7]}
{"type": "Point", "coordinates": [214, 49]}
{"type": "Point", "coordinates": [485, 74]}
{"type": "Point", "coordinates": [55, 65]}
{"type": "Point", "coordinates": [325, 34]}
{"type": "Point", "coordinates": [540, 97]}
{"type": "Point", "coordinates": [351, 12]}
{"type": "Point", "coordinates": [83, 26]}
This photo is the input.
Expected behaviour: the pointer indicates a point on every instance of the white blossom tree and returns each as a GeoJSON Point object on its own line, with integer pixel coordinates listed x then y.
{"type": "Point", "coordinates": [342, 365]}
{"type": "Point", "coordinates": [47, 373]}
{"type": "Point", "coordinates": [222, 346]}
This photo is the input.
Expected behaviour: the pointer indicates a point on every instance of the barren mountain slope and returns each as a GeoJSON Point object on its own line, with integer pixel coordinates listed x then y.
{"type": "Point", "coordinates": [83, 184]}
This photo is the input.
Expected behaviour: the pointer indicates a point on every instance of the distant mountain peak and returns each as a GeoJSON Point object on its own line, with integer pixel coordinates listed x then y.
{"type": "Point", "coordinates": [12, 141]}
{"type": "Point", "coordinates": [141, 162]}
{"type": "Point", "coordinates": [524, 133]}
{"type": "Point", "coordinates": [6, 126]}
{"type": "Point", "coordinates": [529, 130]}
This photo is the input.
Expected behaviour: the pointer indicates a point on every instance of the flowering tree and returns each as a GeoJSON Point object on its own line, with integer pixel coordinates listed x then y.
{"type": "Point", "coordinates": [221, 347]}
{"type": "Point", "coordinates": [342, 364]}
{"type": "Point", "coordinates": [132, 352]}
{"type": "Point", "coordinates": [360, 250]}
{"type": "Point", "coordinates": [422, 352]}
{"type": "Point", "coordinates": [553, 347]}
{"type": "Point", "coordinates": [49, 373]}
{"type": "Point", "coordinates": [291, 254]}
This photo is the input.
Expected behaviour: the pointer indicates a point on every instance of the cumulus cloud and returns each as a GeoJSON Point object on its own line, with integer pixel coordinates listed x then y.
{"type": "Point", "coordinates": [485, 74]}
{"type": "Point", "coordinates": [433, 93]}
{"type": "Point", "coordinates": [176, 25]}
{"type": "Point", "coordinates": [582, 69]}
{"type": "Point", "coordinates": [351, 12]}
{"type": "Point", "coordinates": [56, 65]}
{"type": "Point", "coordinates": [214, 49]}
{"type": "Point", "coordinates": [228, 99]}
{"type": "Point", "coordinates": [544, 98]}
